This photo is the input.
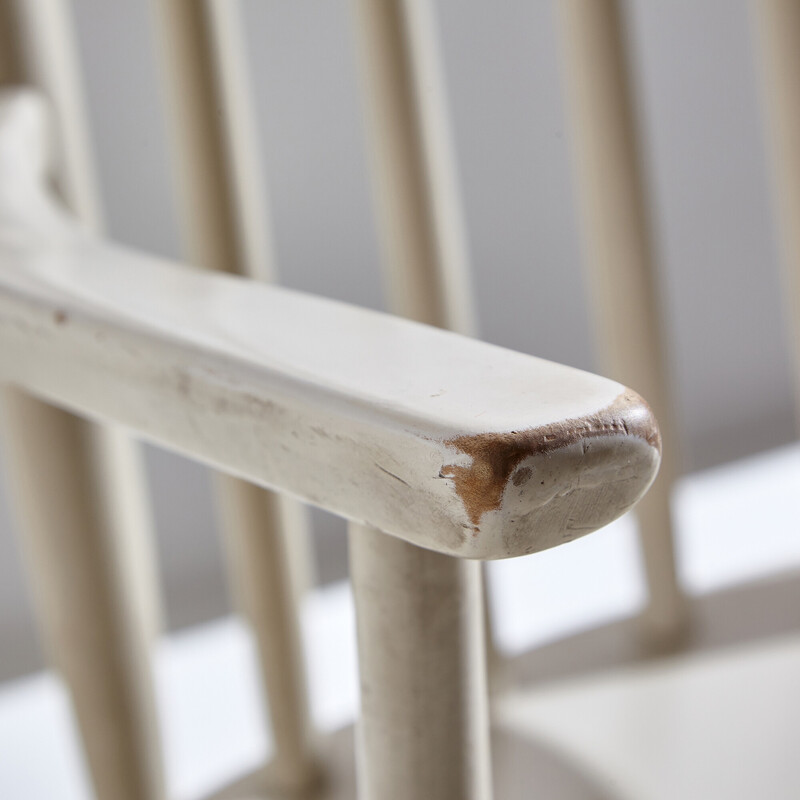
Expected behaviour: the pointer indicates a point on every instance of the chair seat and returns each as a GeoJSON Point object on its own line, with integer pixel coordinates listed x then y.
{"type": "Point", "coordinates": [724, 724]}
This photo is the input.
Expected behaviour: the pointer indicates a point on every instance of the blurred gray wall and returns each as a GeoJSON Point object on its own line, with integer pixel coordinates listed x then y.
{"type": "Point", "coordinates": [700, 115]}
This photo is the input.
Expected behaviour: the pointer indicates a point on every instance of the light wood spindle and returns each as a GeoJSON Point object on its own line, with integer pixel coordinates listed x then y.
{"type": "Point", "coordinates": [425, 264]}
{"type": "Point", "coordinates": [226, 228]}
{"type": "Point", "coordinates": [424, 728]}
{"type": "Point", "coordinates": [779, 25]}
{"type": "Point", "coordinates": [412, 161]}
{"type": "Point", "coordinates": [452, 445]}
{"type": "Point", "coordinates": [79, 490]}
{"type": "Point", "coordinates": [621, 269]}
{"type": "Point", "coordinates": [84, 597]}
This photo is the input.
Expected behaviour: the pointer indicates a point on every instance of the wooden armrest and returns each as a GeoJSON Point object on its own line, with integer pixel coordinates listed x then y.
{"type": "Point", "coordinates": [450, 443]}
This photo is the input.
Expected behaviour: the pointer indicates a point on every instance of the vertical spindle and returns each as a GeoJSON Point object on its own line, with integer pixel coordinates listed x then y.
{"type": "Point", "coordinates": [621, 268]}
{"type": "Point", "coordinates": [79, 491]}
{"type": "Point", "coordinates": [779, 26]}
{"type": "Point", "coordinates": [424, 728]}
{"type": "Point", "coordinates": [223, 208]}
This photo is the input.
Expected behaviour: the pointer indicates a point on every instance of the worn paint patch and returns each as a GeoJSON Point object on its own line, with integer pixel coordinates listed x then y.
{"type": "Point", "coordinates": [495, 456]}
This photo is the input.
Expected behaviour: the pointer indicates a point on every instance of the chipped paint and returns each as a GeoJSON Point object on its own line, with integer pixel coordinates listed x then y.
{"type": "Point", "coordinates": [495, 456]}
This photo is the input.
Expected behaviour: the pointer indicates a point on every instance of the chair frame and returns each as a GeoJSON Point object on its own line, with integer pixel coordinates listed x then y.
{"type": "Point", "coordinates": [424, 440]}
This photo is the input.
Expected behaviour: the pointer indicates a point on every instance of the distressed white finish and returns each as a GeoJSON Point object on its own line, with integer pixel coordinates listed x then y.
{"type": "Point", "coordinates": [447, 443]}
{"type": "Point", "coordinates": [621, 272]}
{"type": "Point", "coordinates": [79, 491]}
{"type": "Point", "coordinates": [780, 53]}
{"type": "Point", "coordinates": [366, 415]}
{"type": "Point", "coordinates": [82, 590]}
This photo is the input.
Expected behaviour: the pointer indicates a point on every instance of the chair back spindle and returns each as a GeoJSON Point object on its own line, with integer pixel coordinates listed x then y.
{"type": "Point", "coordinates": [80, 499]}
{"type": "Point", "coordinates": [223, 209]}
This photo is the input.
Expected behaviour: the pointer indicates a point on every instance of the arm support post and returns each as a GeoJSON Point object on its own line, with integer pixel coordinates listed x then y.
{"type": "Point", "coordinates": [424, 726]}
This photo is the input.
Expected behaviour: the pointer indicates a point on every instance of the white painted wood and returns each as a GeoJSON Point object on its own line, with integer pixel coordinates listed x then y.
{"type": "Point", "coordinates": [450, 443]}
{"type": "Point", "coordinates": [226, 228]}
{"type": "Point", "coordinates": [424, 724]}
{"type": "Point", "coordinates": [252, 217]}
{"type": "Point", "coordinates": [621, 274]}
{"type": "Point", "coordinates": [91, 629]}
{"type": "Point", "coordinates": [719, 724]}
{"type": "Point", "coordinates": [779, 25]}
{"type": "Point", "coordinates": [757, 754]}
{"type": "Point", "coordinates": [46, 47]}
{"type": "Point", "coordinates": [263, 587]}
{"type": "Point", "coordinates": [11, 69]}
{"type": "Point", "coordinates": [44, 41]}
{"type": "Point", "coordinates": [425, 262]}
{"type": "Point", "coordinates": [80, 497]}
{"type": "Point", "coordinates": [414, 178]}
{"type": "Point", "coordinates": [240, 137]}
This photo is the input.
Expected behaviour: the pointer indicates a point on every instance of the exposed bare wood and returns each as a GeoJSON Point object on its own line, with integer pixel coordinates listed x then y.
{"type": "Point", "coordinates": [621, 269]}
{"type": "Point", "coordinates": [224, 211]}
